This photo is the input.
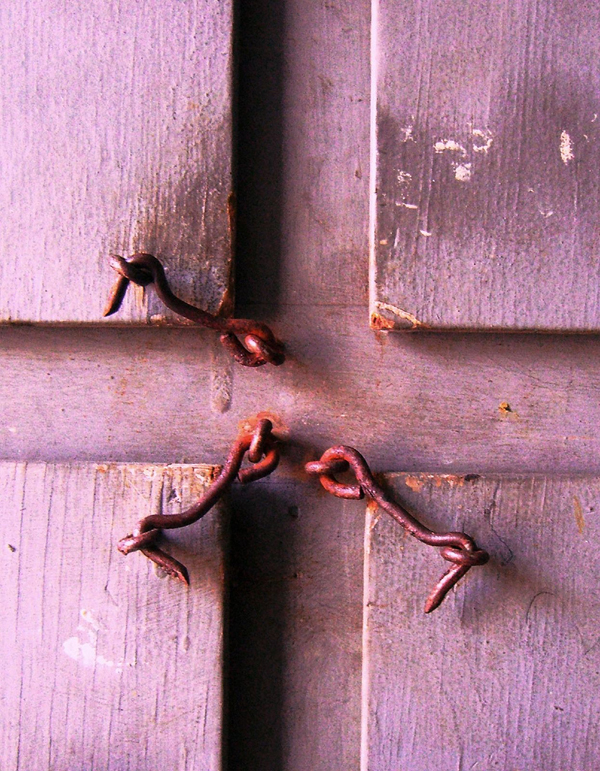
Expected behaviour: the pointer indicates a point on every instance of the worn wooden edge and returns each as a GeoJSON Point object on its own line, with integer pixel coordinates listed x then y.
{"type": "Point", "coordinates": [385, 317]}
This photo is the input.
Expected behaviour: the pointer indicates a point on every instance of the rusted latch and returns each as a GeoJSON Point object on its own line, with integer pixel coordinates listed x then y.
{"type": "Point", "coordinates": [457, 548]}
{"type": "Point", "coordinates": [262, 450]}
{"type": "Point", "coordinates": [260, 345]}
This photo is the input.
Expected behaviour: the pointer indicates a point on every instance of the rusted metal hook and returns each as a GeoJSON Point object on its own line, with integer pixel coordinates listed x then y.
{"type": "Point", "coordinates": [263, 452]}
{"type": "Point", "coordinates": [260, 345]}
{"type": "Point", "coordinates": [457, 548]}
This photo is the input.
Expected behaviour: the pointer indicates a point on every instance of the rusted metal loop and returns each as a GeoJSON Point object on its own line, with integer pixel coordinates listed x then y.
{"type": "Point", "coordinates": [262, 468]}
{"type": "Point", "coordinates": [260, 345]}
{"type": "Point", "coordinates": [337, 466]}
{"type": "Point", "coordinates": [325, 470]}
{"type": "Point", "coordinates": [462, 557]}
{"type": "Point", "coordinates": [259, 438]}
{"type": "Point", "coordinates": [149, 529]}
{"type": "Point", "coordinates": [456, 548]}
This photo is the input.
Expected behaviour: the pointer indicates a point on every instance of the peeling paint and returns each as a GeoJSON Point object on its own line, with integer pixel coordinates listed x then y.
{"type": "Point", "coordinates": [414, 483]}
{"type": "Point", "coordinates": [506, 411]}
{"type": "Point", "coordinates": [86, 653]}
{"type": "Point", "coordinates": [379, 323]}
{"type": "Point", "coordinates": [566, 148]}
{"type": "Point", "coordinates": [462, 172]}
{"type": "Point", "coordinates": [403, 319]}
{"type": "Point", "coordinates": [408, 133]}
{"type": "Point", "coordinates": [487, 138]}
{"type": "Point", "coordinates": [448, 144]}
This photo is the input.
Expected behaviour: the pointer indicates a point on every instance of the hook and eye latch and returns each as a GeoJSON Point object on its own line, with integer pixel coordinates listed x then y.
{"type": "Point", "coordinates": [259, 446]}
{"type": "Point", "coordinates": [457, 548]}
{"type": "Point", "coordinates": [259, 346]}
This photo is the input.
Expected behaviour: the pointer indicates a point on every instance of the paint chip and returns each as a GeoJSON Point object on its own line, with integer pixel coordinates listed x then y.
{"type": "Point", "coordinates": [463, 172]}
{"type": "Point", "coordinates": [566, 148]}
{"type": "Point", "coordinates": [415, 484]}
{"type": "Point", "coordinates": [448, 144]}
{"type": "Point", "coordinates": [408, 134]}
{"type": "Point", "coordinates": [487, 139]}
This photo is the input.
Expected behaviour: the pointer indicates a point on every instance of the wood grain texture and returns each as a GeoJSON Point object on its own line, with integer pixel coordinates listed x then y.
{"type": "Point", "coordinates": [506, 673]}
{"type": "Point", "coordinates": [485, 182]}
{"type": "Point", "coordinates": [110, 667]}
{"type": "Point", "coordinates": [115, 137]}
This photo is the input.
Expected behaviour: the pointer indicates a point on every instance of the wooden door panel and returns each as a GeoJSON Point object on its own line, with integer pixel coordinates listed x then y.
{"type": "Point", "coordinates": [486, 166]}
{"type": "Point", "coordinates": [506, 673]}
{"type": "Point", "coordinates": [108, 667]}
{"type": "Point", "coordinates": [115, 138]}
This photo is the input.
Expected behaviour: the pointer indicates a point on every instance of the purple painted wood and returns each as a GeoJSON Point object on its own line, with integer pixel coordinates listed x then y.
{"type": "Point", "coordinates": [441, 402]}
{"type": "Point", "coordinates": [505, 673]}
{"type": "Point", "coordinates": [115, 136]}
{"type": "Point", "coordinates": [485, 179]}
{"type": "Point", "coordinates": [105, 665]}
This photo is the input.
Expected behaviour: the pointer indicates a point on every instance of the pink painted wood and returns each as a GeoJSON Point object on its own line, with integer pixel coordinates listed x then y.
{"type": "Point", "coordinates": [106, 666]}
{"type": "Point", "coordinates": [115, 137]}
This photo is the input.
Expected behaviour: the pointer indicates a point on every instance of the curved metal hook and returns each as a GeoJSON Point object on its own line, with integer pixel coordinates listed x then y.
{"type": "Point", "coordinates": [260, 345]}
{"type": "Point", "coordinates": [457, 548]}
{"type": "Point", "coordinates": [263, 452]}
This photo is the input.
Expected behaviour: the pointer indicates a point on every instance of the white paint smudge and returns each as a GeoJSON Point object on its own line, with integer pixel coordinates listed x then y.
{"type": "Point", "coordinates": [425, 233]}
{"type": "Point", "coordinates": [408, 134]}
{"type": "Point", "coordinates": [403, 177]}
{"type": "Point", "coordinates": [85, 653]}
{"type": "Point", "coordinates": [462, 172]}
{"type": "Point", "coordinates": [487, 139]}
{"type": "Point", "coordinates": [449, 144]}
{"type": "Point", "coordinates": [407, 205]}
{"type": "Point", "coordinates": [545, 211]}
{"type": "Point", "coordinates": [566, 147]}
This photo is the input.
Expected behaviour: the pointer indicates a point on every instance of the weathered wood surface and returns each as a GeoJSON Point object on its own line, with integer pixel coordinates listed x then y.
{"type": "Point", "coordinates": [407, 401]}
{"type": "Point", "coordinates": [505, 673]}
{"type": "Point", "coordinates": [485, 166]}
{"type": "Point", "coordinates": [115, 138]}
{"type": "Point", "coordinates": [105, 665]}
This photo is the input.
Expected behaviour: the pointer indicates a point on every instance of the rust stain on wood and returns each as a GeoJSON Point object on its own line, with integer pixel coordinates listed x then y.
{"type": "Point", "coordinates": [506, 411]}
{"type": "Point", "coordinates": [578, 510]}
{"type": "Point", "coordinates": [414, 483]}
{"type": "Point", "coordinates": [387, 316]}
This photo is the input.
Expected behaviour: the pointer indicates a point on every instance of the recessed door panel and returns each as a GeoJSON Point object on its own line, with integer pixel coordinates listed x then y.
{"type": "Point", "coordinates": [115, 137]}
{"type": "Point", "coordinates": [108, 664]}
{"type": "Point", "coordinates": [505, 673]}
{"type": "Point", "coordinates": [486, 147]}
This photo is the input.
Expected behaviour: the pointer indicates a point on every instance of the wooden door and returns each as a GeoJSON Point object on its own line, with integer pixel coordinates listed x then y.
{"type": "Point", "coordinates": [444, 403]}
{"type": "Point", "coordinates": [116, 137]}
